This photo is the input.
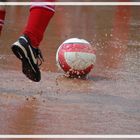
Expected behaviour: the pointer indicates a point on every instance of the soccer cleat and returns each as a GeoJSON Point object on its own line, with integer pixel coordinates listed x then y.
{"type": "Point", "coordinates": [29, 57]}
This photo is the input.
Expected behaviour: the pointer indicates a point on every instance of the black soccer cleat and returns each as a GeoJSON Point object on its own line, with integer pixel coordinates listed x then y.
{"type": "Point", "coordinates": [29, 57]}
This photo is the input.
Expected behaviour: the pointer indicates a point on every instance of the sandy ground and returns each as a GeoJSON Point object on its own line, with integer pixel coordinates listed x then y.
{"type": "Point", "coordinates": [108, 102]}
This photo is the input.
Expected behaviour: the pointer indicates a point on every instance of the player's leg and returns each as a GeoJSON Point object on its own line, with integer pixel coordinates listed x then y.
{"type": "Point", "coordinates": [26, 48]}
{"type": "Point", "coordinates": [2, 15]}
{"type": "Point", "coordinates": [38, 21]}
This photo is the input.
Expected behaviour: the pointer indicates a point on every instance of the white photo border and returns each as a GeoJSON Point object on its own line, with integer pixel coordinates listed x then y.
{"type": "Point", "coordinates": [71, 4]}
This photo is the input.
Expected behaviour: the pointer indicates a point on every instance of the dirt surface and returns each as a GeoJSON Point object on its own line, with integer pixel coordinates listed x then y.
{"type": "Point", "coordinates": [108, 102]}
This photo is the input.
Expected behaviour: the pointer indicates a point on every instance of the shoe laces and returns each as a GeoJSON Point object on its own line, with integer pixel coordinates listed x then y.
{"type": "Point", "coordinates": [39, 57]}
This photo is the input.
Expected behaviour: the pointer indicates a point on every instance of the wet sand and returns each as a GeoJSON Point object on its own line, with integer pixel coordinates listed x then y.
{"type": "Point", "coordinates": [108, 102]}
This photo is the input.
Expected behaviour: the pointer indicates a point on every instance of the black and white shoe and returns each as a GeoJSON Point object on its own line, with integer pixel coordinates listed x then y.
{"type": "Point", "coordinates": [29, 57]}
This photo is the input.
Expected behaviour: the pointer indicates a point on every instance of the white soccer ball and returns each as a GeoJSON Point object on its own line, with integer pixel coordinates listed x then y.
{"type": "Point", "coordinates": [76, 57]}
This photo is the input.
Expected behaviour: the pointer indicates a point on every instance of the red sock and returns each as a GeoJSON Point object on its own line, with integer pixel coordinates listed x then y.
{"type": "Point", "coordinates": [37, 22]}
{"type": "Point", "coordinates": [2, 17]}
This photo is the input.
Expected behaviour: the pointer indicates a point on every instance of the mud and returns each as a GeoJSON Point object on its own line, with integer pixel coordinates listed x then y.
{"type": "Point", "coordinates": [108, 102]}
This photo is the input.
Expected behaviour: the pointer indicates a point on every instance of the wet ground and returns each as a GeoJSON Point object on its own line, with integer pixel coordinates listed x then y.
{"type": "Point", "coordinates": [108, 102]}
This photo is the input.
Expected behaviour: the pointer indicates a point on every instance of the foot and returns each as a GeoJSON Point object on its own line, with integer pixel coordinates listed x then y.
{"type": "Point", "coordinates": [29, 57]}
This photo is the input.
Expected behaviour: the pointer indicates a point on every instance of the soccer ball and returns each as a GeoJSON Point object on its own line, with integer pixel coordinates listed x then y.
{"type": "Point", "coordinates": [76, 57]}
